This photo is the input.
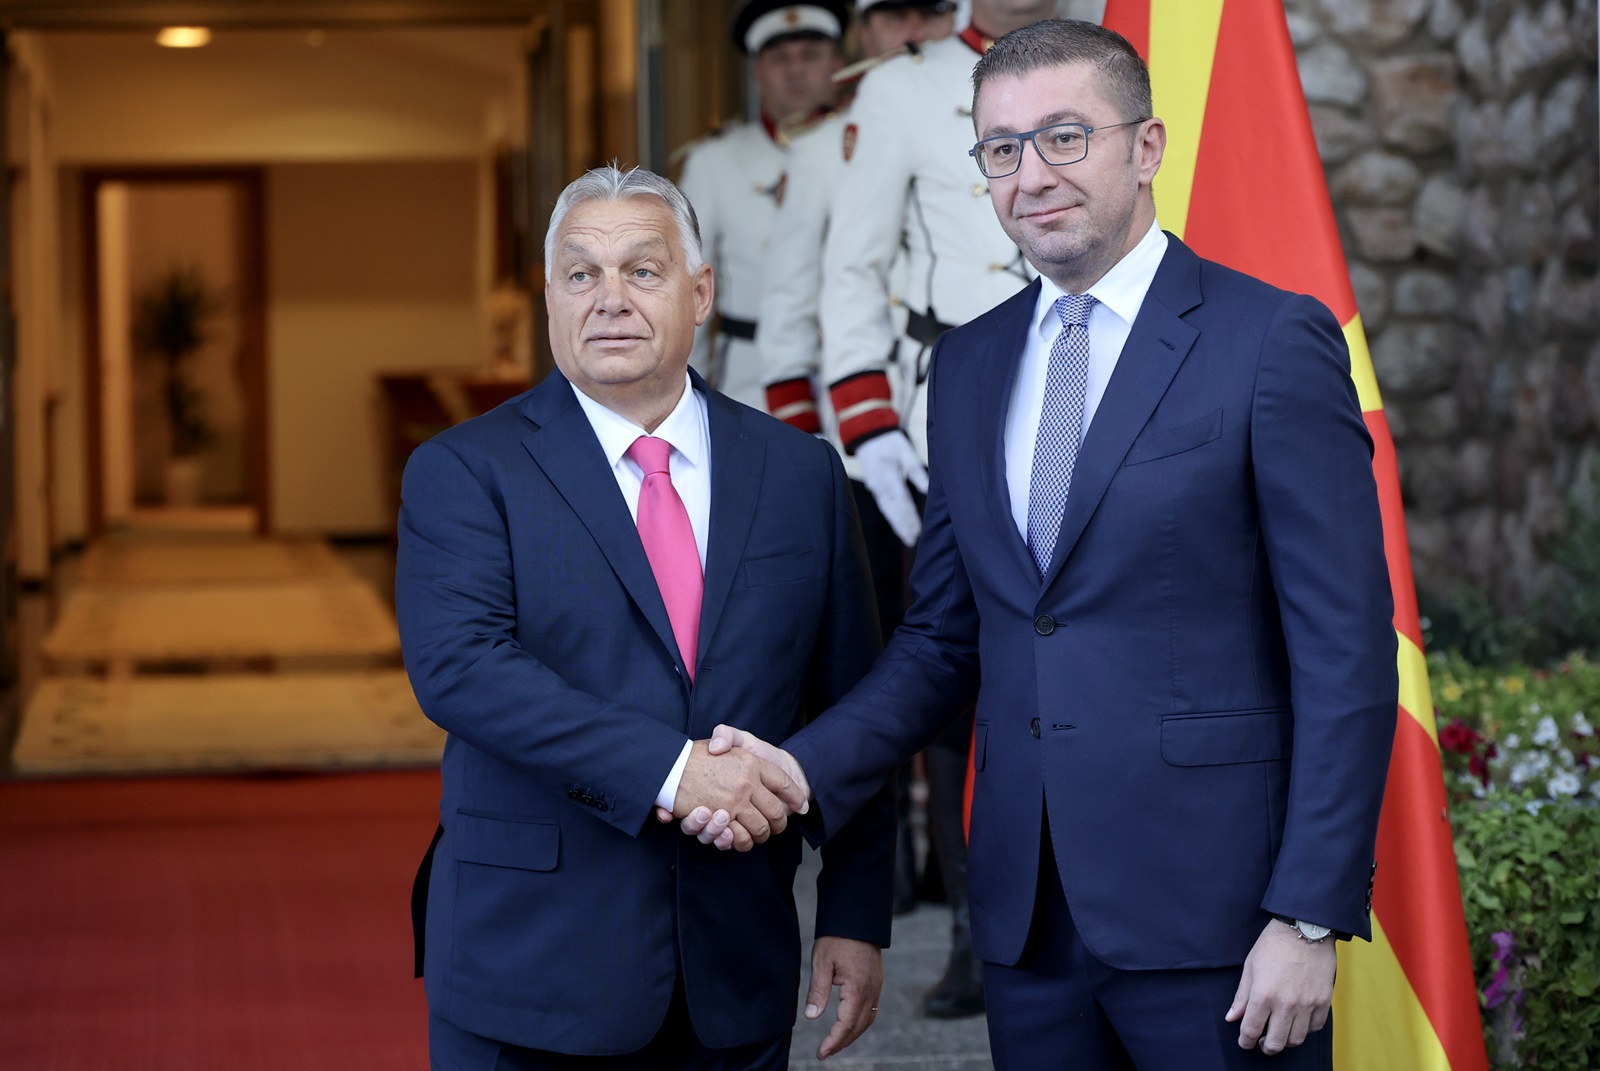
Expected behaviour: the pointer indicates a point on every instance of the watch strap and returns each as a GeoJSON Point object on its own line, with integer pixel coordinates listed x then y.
{"type": "Point", "coordinates": [1299, 928]}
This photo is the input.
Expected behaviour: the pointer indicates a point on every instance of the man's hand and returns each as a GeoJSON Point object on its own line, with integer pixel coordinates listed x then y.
{"type": "Point", "coordinates": [754, 797]}
{"type": "Point", "coordinates": [718, 827]}
{"type": "Point", "coordinates": [724, 738]}
{"type": "Point", "coordinates": [888, 463]}
{"type": "Point", "coordinates": [857, 969]}
{"type": "Point", "coordinates": [1286, 990]}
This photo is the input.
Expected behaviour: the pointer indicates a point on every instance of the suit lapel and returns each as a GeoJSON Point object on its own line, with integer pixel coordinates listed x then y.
{"type": "Point", "coordinates": [564, 446]}
{"type": "Point", "coordinates": [997, 379]}
{"type": "Point", "coordinates": [737, 462]}
{"type": "Point", "coordinates": [1156, 348]}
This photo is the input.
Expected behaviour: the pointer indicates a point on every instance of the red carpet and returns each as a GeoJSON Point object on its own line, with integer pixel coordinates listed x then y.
{"type": "Point", "coordinates": [212, 922]}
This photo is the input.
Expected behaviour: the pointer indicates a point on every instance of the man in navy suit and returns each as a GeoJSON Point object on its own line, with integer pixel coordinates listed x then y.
{"type": "Point", "coordinates": [1152, 524]}
{"type": "Point", "coordinates": [590, 577]}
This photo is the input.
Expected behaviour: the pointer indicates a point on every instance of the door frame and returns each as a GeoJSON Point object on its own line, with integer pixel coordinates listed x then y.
{"type": "Point", "coordinates": [252, 299]}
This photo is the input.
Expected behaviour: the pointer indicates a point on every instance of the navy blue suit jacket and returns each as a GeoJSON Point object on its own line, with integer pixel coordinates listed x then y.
{"type": "Point", "coordinates": [1202, 690]}
{"type": "Point", "coordinates": [559, 911]}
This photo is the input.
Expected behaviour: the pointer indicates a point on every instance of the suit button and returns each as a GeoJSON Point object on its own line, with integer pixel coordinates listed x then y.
{"type": "Point", "coordinates": [1033, 727]}
{"type": "Point", "coordinates": [1044, 624]}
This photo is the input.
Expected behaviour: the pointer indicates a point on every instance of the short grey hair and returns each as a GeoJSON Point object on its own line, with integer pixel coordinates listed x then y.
{"type": "Point", "coordinates": [1058, 42]}
{"type": "Point", "coordinates": [610, 183]}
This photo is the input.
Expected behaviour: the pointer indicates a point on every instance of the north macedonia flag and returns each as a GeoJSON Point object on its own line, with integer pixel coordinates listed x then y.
{"type": "Point", "coordinates": [1242, 184]}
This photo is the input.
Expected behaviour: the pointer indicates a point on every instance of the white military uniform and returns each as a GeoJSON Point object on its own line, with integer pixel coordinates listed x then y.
{"type": "Point", "coordinates": [733, 178]}
{"type": "Point", "coordinates": [909, 179]}
{"type": "Point", "coordinates": [790, 337]}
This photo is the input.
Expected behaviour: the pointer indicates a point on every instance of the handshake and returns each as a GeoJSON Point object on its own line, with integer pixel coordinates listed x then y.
{"type": "Point", "coordinates": [737, 790]}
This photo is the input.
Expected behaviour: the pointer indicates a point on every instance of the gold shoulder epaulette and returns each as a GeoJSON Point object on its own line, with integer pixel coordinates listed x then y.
{"type": "Point", "coordinates": [860, 67]}
{"type": "Point", "coordinates": [676, 156]}
{"type": "Point", "coordinates": [790, 129]}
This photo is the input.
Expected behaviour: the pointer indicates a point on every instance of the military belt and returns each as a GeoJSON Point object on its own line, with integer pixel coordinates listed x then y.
{"type": "Point", "coordinates": [923, 328]}
{"type": "Point", "coordinates": [745, 329]}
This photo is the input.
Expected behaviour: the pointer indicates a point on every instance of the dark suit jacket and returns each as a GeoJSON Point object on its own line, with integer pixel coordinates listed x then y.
{"type": "Point", "coordinates": [1202, 691]}
{"type": "Point", "coordinates": [559, 911]}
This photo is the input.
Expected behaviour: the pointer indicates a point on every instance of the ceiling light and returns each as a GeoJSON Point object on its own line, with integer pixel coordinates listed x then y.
{"type": "Point", "coordinates": [184, 37]}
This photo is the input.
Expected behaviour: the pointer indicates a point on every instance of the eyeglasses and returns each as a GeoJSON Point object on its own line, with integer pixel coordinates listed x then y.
{"type": "Point", "coordinates": [1057, 145]}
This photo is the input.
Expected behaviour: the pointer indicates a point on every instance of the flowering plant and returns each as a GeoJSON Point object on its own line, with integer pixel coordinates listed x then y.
{"type": "Point", "coordinates": [1522, 765]}
{"type": "Point", "coordinates": [1519, 730]}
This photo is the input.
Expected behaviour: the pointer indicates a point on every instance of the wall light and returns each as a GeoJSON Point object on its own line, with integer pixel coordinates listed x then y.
{"type": "Point", "coordinates": [184, 37]}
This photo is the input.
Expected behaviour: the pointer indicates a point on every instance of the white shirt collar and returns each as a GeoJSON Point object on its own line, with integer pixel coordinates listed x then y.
{"type": "Point", "coordinates": [617, 433]}
{"type": "Point", "coordinates": [1121, 290]}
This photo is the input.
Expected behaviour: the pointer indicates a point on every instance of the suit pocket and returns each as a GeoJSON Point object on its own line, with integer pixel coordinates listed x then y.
{"type": "Point", "coordinates": [1224, 737]}
{"type": "Point", "coordinates": [1164, 442]}
{"type": "Point", "coordinates": [504, 840]}
{"type": "Point", "coordinates": [781, 568]}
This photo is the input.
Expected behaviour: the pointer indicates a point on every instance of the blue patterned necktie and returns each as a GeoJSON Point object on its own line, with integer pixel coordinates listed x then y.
{"type": "Point", "coordinates": [1055, 452]}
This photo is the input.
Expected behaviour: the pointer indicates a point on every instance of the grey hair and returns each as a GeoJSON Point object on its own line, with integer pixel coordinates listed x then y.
{"type": "Point", "coordinates": [610, 183]}
{"type": "Point", "coordinates": [1059, 42]}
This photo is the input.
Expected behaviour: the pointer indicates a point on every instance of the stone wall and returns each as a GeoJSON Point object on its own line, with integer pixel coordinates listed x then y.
{"type": "Point", "coordinates": [1462, 145]}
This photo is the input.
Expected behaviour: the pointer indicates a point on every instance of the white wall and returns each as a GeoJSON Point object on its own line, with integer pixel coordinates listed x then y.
{"type": "Point", "coordinates": [372, 268]}
{"type": "Point", "coordinates": [118, 444]}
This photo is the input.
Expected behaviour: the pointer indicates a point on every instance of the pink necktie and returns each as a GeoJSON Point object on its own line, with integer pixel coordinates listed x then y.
{"type": "Point", "coordinates": [669, 544]}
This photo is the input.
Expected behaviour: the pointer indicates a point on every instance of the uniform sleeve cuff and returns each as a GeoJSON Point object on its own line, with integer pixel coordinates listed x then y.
{"type": "Point", "coordinates": [865, 408]}
{"type": "Point", "coordinates": [793, 402]}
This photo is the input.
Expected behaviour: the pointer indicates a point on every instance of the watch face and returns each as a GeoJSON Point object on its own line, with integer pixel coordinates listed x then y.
{"type": "Point", "coordinates": [1312, 931]}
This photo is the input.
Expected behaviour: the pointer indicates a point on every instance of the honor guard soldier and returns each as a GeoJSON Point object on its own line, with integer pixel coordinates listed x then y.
{"type": "Point", "coordinates": [790, 341]}
{"type": "Point", "coordinates": [790, 337]}
{"type": "Point", "coordinates": [909, 179]}
{"type": "Point", "coordinates": [909, 184]}
{"type": "Point", "coordinates": [734, 176]}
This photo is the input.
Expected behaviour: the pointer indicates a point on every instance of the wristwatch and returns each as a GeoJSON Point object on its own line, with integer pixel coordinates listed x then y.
{"type": "Point", "coordinates": [1308, 932]}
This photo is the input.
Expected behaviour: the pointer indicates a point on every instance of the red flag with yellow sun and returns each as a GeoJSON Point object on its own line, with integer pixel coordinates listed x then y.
{"type": "Point", "coordinates": [1242, 184]}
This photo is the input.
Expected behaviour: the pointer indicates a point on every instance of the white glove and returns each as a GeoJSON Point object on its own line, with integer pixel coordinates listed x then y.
{"type": "Point", "coordinates": [888, 463]}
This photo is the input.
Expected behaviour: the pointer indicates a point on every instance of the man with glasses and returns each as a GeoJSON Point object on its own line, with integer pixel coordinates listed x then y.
{"type": "Point", "coordinates": [1152, 522]}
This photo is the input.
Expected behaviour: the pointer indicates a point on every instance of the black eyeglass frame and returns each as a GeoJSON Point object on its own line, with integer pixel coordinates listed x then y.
{"type": "Point", "coordinates": [1028, 136]}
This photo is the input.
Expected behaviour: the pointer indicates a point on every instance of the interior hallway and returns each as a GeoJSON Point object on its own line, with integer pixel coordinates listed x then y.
{"type": "Point", "coordinates": [39, 604]}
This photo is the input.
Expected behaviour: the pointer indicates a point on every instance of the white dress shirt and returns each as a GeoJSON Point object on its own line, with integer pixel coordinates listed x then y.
{"type": "Point", "coordinates": [688, 430]}
{"type": "Point", "coordinates": [1120, 293]}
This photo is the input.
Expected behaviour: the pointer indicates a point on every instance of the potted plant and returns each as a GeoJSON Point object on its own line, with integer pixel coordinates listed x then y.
{"type": "Point", "coordinates": [170, 324]}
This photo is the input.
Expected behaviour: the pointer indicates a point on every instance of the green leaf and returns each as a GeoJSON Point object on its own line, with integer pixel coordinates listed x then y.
{"type": "Point", "coordinates": [1573, 918]}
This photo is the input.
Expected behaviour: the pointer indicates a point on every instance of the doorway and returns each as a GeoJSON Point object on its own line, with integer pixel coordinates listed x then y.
{"type": "Point", "coordinates": [176, 376]}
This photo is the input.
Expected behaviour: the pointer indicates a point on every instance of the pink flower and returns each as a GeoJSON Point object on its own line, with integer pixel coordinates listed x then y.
{"type": "Point", "coordinates": [1500, 988]}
